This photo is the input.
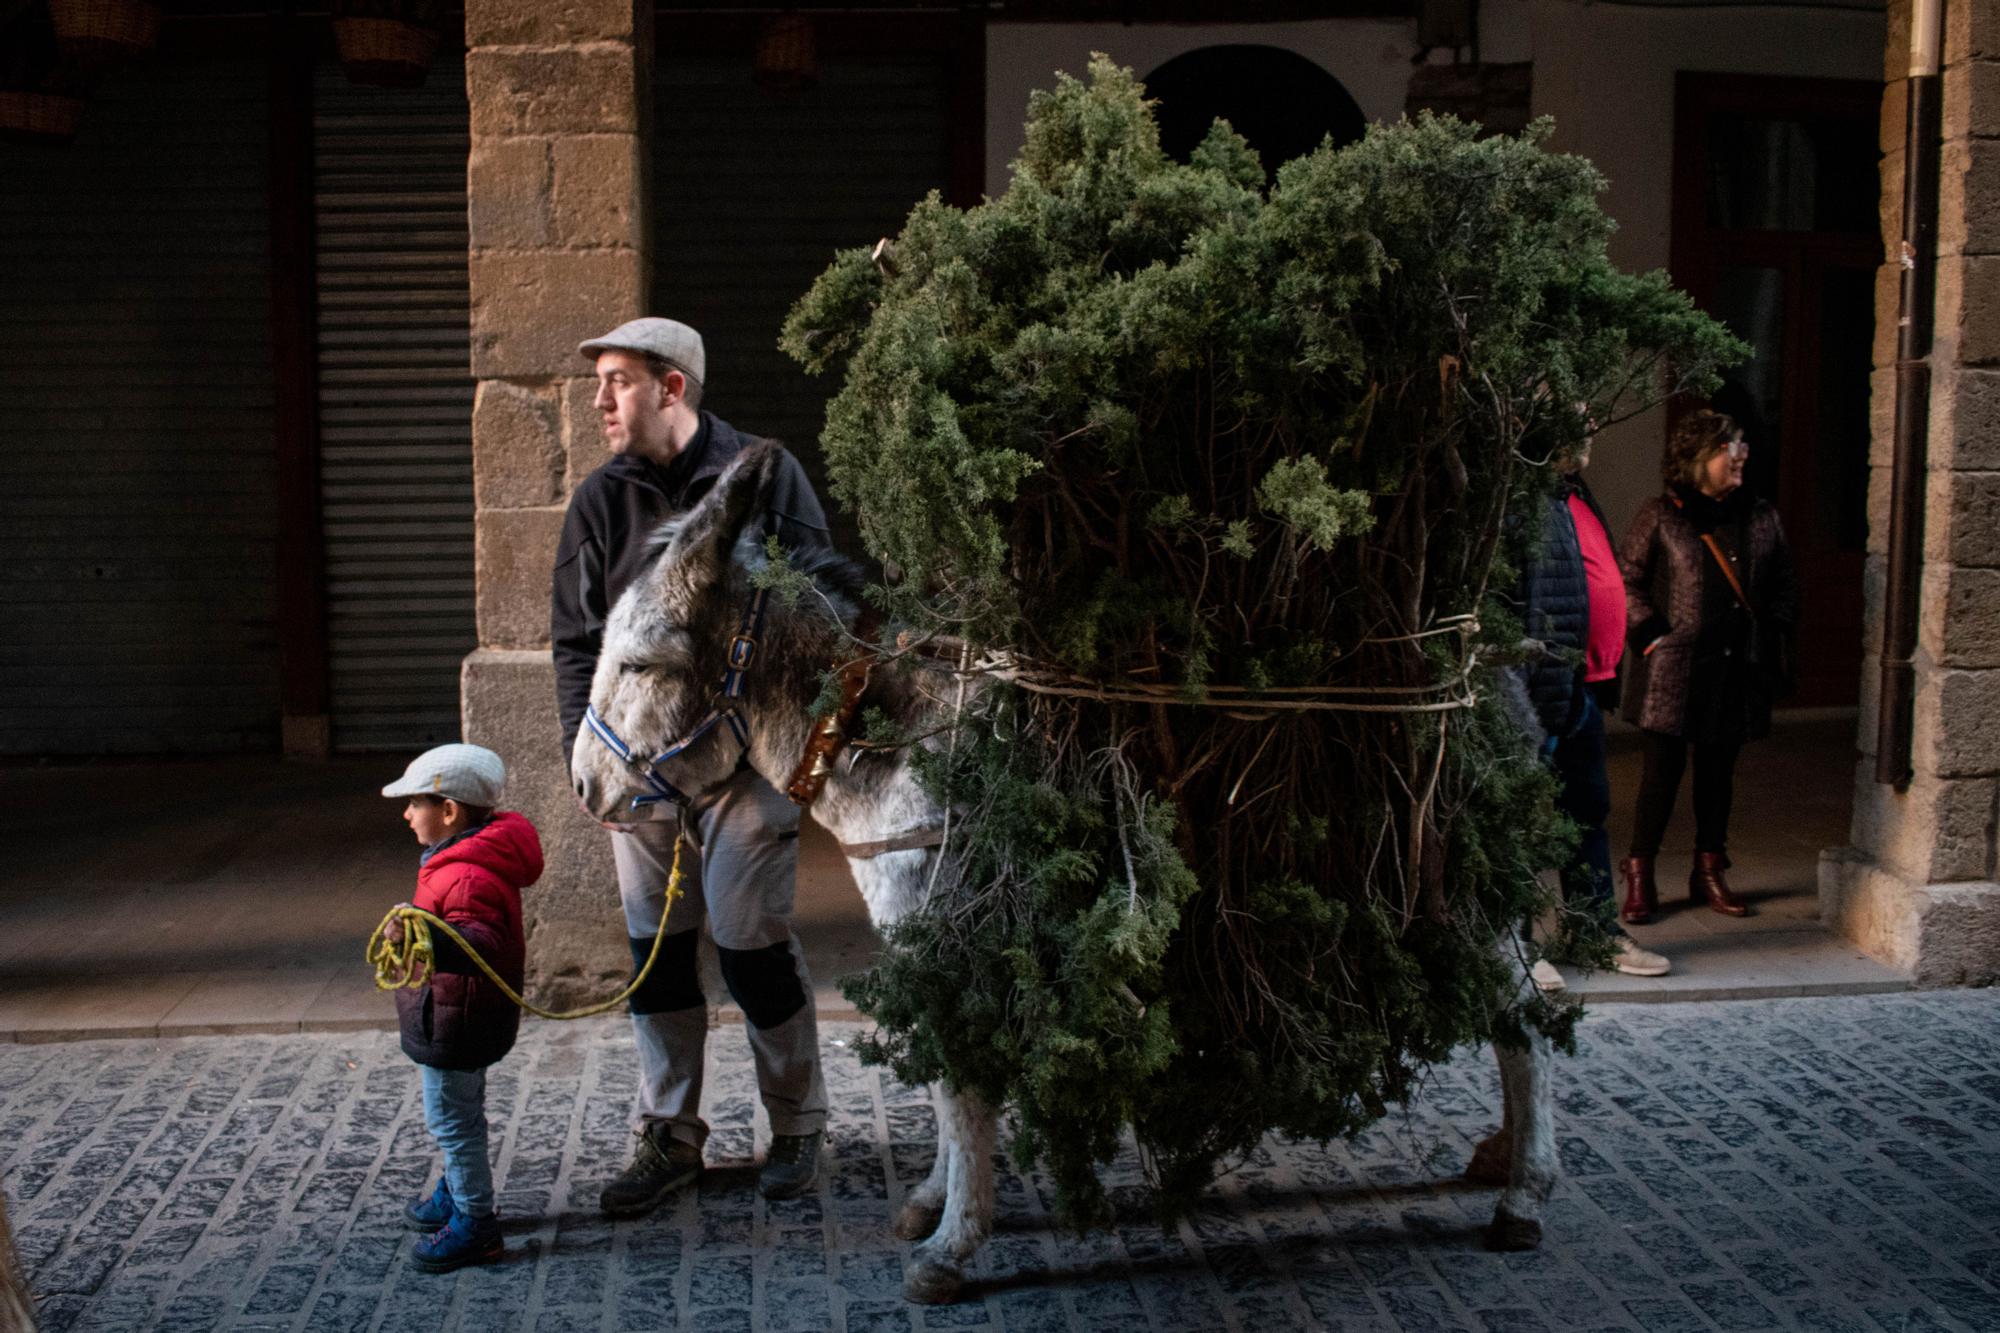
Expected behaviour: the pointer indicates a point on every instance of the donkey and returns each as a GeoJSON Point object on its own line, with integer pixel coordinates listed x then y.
{"type": "Point", "coordinates": [678, 630]}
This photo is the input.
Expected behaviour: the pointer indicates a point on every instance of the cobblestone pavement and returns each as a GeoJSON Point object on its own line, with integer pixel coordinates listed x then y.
{"type": "Point", "coordinates": [1824, 1164]}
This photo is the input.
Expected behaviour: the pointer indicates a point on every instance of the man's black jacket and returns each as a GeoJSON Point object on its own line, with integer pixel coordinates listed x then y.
{"type": "Point", "coordinates": [604, 539]}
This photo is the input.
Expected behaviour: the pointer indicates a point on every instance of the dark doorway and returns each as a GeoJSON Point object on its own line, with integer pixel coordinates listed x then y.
{"type": "Point", "coordinates": [1775, 234]}
{"type": "Point", "coordinates": [1283, 103]}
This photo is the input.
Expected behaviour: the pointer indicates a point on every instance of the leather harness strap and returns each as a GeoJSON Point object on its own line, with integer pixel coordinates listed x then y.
{"type": "Point", "coordinates": [830, 736]}
{"type": "Point", "coordinates": [830, 733]}
{"type": "Point", "coordinates": [909, 841]}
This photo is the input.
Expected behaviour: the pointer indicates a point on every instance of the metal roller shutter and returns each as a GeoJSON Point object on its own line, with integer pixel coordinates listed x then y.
{"type": "Point", "coordinates": [137, 482]}
{"type": "Point", "coordinates": [754, 194]}
{"type": "Point", "coordinates": [395, 400]}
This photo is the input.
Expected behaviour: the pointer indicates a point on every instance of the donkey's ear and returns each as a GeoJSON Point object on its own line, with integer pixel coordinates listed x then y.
{"type": "Point", "coordinates": [740, 494]}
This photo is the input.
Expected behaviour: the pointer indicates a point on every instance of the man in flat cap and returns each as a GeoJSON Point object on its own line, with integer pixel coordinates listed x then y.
{"type": "Point", "coordinates": [665, 455]}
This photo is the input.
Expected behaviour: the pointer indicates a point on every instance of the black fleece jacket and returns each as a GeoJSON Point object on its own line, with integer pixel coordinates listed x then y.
{"type": "Point", "coordinates": [604, 538]}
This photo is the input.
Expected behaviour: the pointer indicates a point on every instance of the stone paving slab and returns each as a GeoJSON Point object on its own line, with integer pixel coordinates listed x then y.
{"type": "Point", "coordinates": [1815, 1164]}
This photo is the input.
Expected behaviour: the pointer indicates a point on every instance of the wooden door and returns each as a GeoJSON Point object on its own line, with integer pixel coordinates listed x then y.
{"type": "Point", "coordinates": [1775, 232]}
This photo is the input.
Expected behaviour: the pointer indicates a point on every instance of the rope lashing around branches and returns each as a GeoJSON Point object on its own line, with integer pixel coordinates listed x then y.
{"type": "Point", "coordinates": [1242, 700]}
{"type": "Point", "coordinates": [411, 962]}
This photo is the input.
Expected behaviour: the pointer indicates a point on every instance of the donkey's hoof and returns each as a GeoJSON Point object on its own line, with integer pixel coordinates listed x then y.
{"type": "Point", "coordinates": [1507, 1233]}
{"type": "Point", "coordinates": [1492, 1161]}
{"type": "Point", "coordinates": [918, 1220]}
{"type": "Point", "coordinates": [932, 1280]}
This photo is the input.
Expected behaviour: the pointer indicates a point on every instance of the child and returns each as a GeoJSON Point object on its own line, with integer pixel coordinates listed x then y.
{"type": "Point", "coordinates": [474, 866]}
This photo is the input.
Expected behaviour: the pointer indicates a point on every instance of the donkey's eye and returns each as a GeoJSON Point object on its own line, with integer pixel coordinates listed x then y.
{"type": "Point", "coordinates": [632, 668]}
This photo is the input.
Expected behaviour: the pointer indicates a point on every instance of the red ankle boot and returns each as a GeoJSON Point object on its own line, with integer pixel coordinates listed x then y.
{"type": "Point", "coordinates": [1706, 885]}
{"type": "Point", "coordinates": [1642, 896]}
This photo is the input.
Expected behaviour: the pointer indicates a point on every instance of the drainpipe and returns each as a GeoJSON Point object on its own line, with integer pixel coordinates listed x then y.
{"type": "Point", "coordinates": [1909, 471]}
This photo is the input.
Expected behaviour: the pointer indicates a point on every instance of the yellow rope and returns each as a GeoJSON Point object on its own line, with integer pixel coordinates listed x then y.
{"type": "Point", "coordinates": [411, 962]}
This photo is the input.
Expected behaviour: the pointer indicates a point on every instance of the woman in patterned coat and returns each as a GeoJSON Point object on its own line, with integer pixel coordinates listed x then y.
{"type": "Point", "coordinates": [1711, 607]}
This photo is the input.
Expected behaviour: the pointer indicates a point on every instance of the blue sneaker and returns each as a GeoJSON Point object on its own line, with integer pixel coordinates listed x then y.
{"type": "Point", "coordinates": [460, 1243]}
{"type": "Point", "coordinates": [431, 1211]}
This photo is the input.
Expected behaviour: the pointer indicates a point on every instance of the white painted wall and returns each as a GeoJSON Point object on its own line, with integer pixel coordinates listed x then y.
{"type": "Point", "coordinates": [1605, 72]}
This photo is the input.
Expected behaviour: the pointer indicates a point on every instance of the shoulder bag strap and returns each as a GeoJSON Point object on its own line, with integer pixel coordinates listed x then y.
{"type": "Point", "coordinates": [1722, 563]}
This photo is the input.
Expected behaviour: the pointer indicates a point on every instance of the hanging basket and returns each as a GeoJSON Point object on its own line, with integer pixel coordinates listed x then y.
{"type": "Point", "coordinates": [98, 31]}
{"type": "Point", "coordinates": [46, 117]}
{"type": "Point", "coordinates": [385, 53]}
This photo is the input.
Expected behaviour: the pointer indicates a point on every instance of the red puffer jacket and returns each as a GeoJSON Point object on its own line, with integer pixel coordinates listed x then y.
{"type": "Point", "coordinates": [461, 1020]}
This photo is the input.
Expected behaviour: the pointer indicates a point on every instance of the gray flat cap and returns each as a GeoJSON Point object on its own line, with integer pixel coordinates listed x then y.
{"type": "Point", "coordinates": [470, 774]}
{"type": "Point", "coordinates": [667, 338]}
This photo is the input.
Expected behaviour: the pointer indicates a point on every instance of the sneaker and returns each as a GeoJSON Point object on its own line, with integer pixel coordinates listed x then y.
{"type": "Point", "coordinates": [460, 1243]}
{"type": "Point", "coordinates": [1547, 979]}
{"type": "Point", "coordinates": [1634, 961]}
{"type": "Point", "coordinates": [661, 1165]}
{"type": "Point", "coordinates": [793, 1166]}
{"type": "Point", "coordinates": [431, 1211]}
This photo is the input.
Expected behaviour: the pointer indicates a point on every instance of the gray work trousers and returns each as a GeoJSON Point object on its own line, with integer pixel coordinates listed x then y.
{"type": "Point", "coordinates": [739, 874]}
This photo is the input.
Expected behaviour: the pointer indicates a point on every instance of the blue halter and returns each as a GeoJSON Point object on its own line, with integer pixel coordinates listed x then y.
{"type": "Point", "coordinates": [742, 652]}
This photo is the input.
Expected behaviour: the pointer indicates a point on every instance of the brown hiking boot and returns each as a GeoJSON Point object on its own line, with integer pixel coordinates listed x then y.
{"type": "Point", "coordinates": [661, 1166]}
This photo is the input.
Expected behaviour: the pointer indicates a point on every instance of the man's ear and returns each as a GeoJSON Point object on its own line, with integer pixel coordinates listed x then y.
{"type": "Point", "coordinates": [673, 389]}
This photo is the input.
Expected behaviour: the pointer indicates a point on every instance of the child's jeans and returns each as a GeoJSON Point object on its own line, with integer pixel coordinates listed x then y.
{"type": "Point", "coordinates": [455, 1110]}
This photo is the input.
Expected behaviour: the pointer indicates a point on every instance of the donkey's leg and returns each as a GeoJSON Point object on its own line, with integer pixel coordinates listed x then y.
{"type": "Point", "coordinates": [17, 1307]}
{"type": "Point", "coordinates": [924, 1204]}
{"type": "Point", "coordinates": [1524, 1075]}
{"type": "Point", "coordinates": [1493, 1158]}
{"type": "Point", "coordinates": [937, 1268]}
{"type": "Point", "coordinates": [968, 1214]}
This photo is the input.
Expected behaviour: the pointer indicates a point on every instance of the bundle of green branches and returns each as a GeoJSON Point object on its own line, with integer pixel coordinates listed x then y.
{"type": "Point", "coordinates": [1215, 483]}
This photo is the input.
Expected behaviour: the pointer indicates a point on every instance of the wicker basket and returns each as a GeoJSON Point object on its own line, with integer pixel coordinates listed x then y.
{"type": "Point", "coordinates": [385, 53]}
{"type": "Point", "coordinates": [99, 30]}
{"type": "Point", "coordinates": [48, 117]}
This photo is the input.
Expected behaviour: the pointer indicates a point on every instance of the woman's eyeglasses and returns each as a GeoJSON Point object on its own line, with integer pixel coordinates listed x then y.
{"type": "Point", "coordinates": [1738, 449]}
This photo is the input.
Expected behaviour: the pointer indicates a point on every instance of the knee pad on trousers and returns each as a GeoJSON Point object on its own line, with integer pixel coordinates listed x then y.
{"type": "Point", "coordinates": [675, 981]}
{"type": "Point", "coordinates": [764, 982]}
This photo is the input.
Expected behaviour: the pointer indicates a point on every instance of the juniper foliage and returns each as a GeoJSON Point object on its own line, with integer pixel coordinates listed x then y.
{"type": "Point", "coordinates": [1152, 431]}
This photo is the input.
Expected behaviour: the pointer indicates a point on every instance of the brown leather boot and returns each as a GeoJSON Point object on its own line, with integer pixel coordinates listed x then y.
{"type": "Point", "coordinates": [1642, 895]}
{"type": "Point", "coordinates": [1706, 885]}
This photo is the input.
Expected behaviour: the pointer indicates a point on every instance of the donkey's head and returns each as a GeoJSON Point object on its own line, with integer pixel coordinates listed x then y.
{"type": "Point", "coordinates": [666, 646]}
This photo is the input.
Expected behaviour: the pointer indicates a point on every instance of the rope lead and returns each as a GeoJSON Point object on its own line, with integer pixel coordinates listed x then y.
{"type": "Point", "coordinates": [410, 963]}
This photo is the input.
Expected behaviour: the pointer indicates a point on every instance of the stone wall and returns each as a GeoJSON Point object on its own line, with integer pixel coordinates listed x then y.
{"type": "Point", "coordinates": [556, 201]}
{"type": "Point", "coordinates": [1916, 886]}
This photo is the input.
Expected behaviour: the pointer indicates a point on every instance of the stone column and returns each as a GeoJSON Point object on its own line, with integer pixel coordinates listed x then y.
{"type": "Point", "coordinates": [1917, 886]}
{"type": "Point", "coordinates": [556, 194]}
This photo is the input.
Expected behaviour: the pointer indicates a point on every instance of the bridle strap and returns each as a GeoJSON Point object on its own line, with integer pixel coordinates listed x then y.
{"type": "Point", "coordinates": [735, 678]}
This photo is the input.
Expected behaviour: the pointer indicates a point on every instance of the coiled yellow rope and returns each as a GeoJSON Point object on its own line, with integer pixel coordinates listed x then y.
{"type": "Point", "coordinates": [411, 961]}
